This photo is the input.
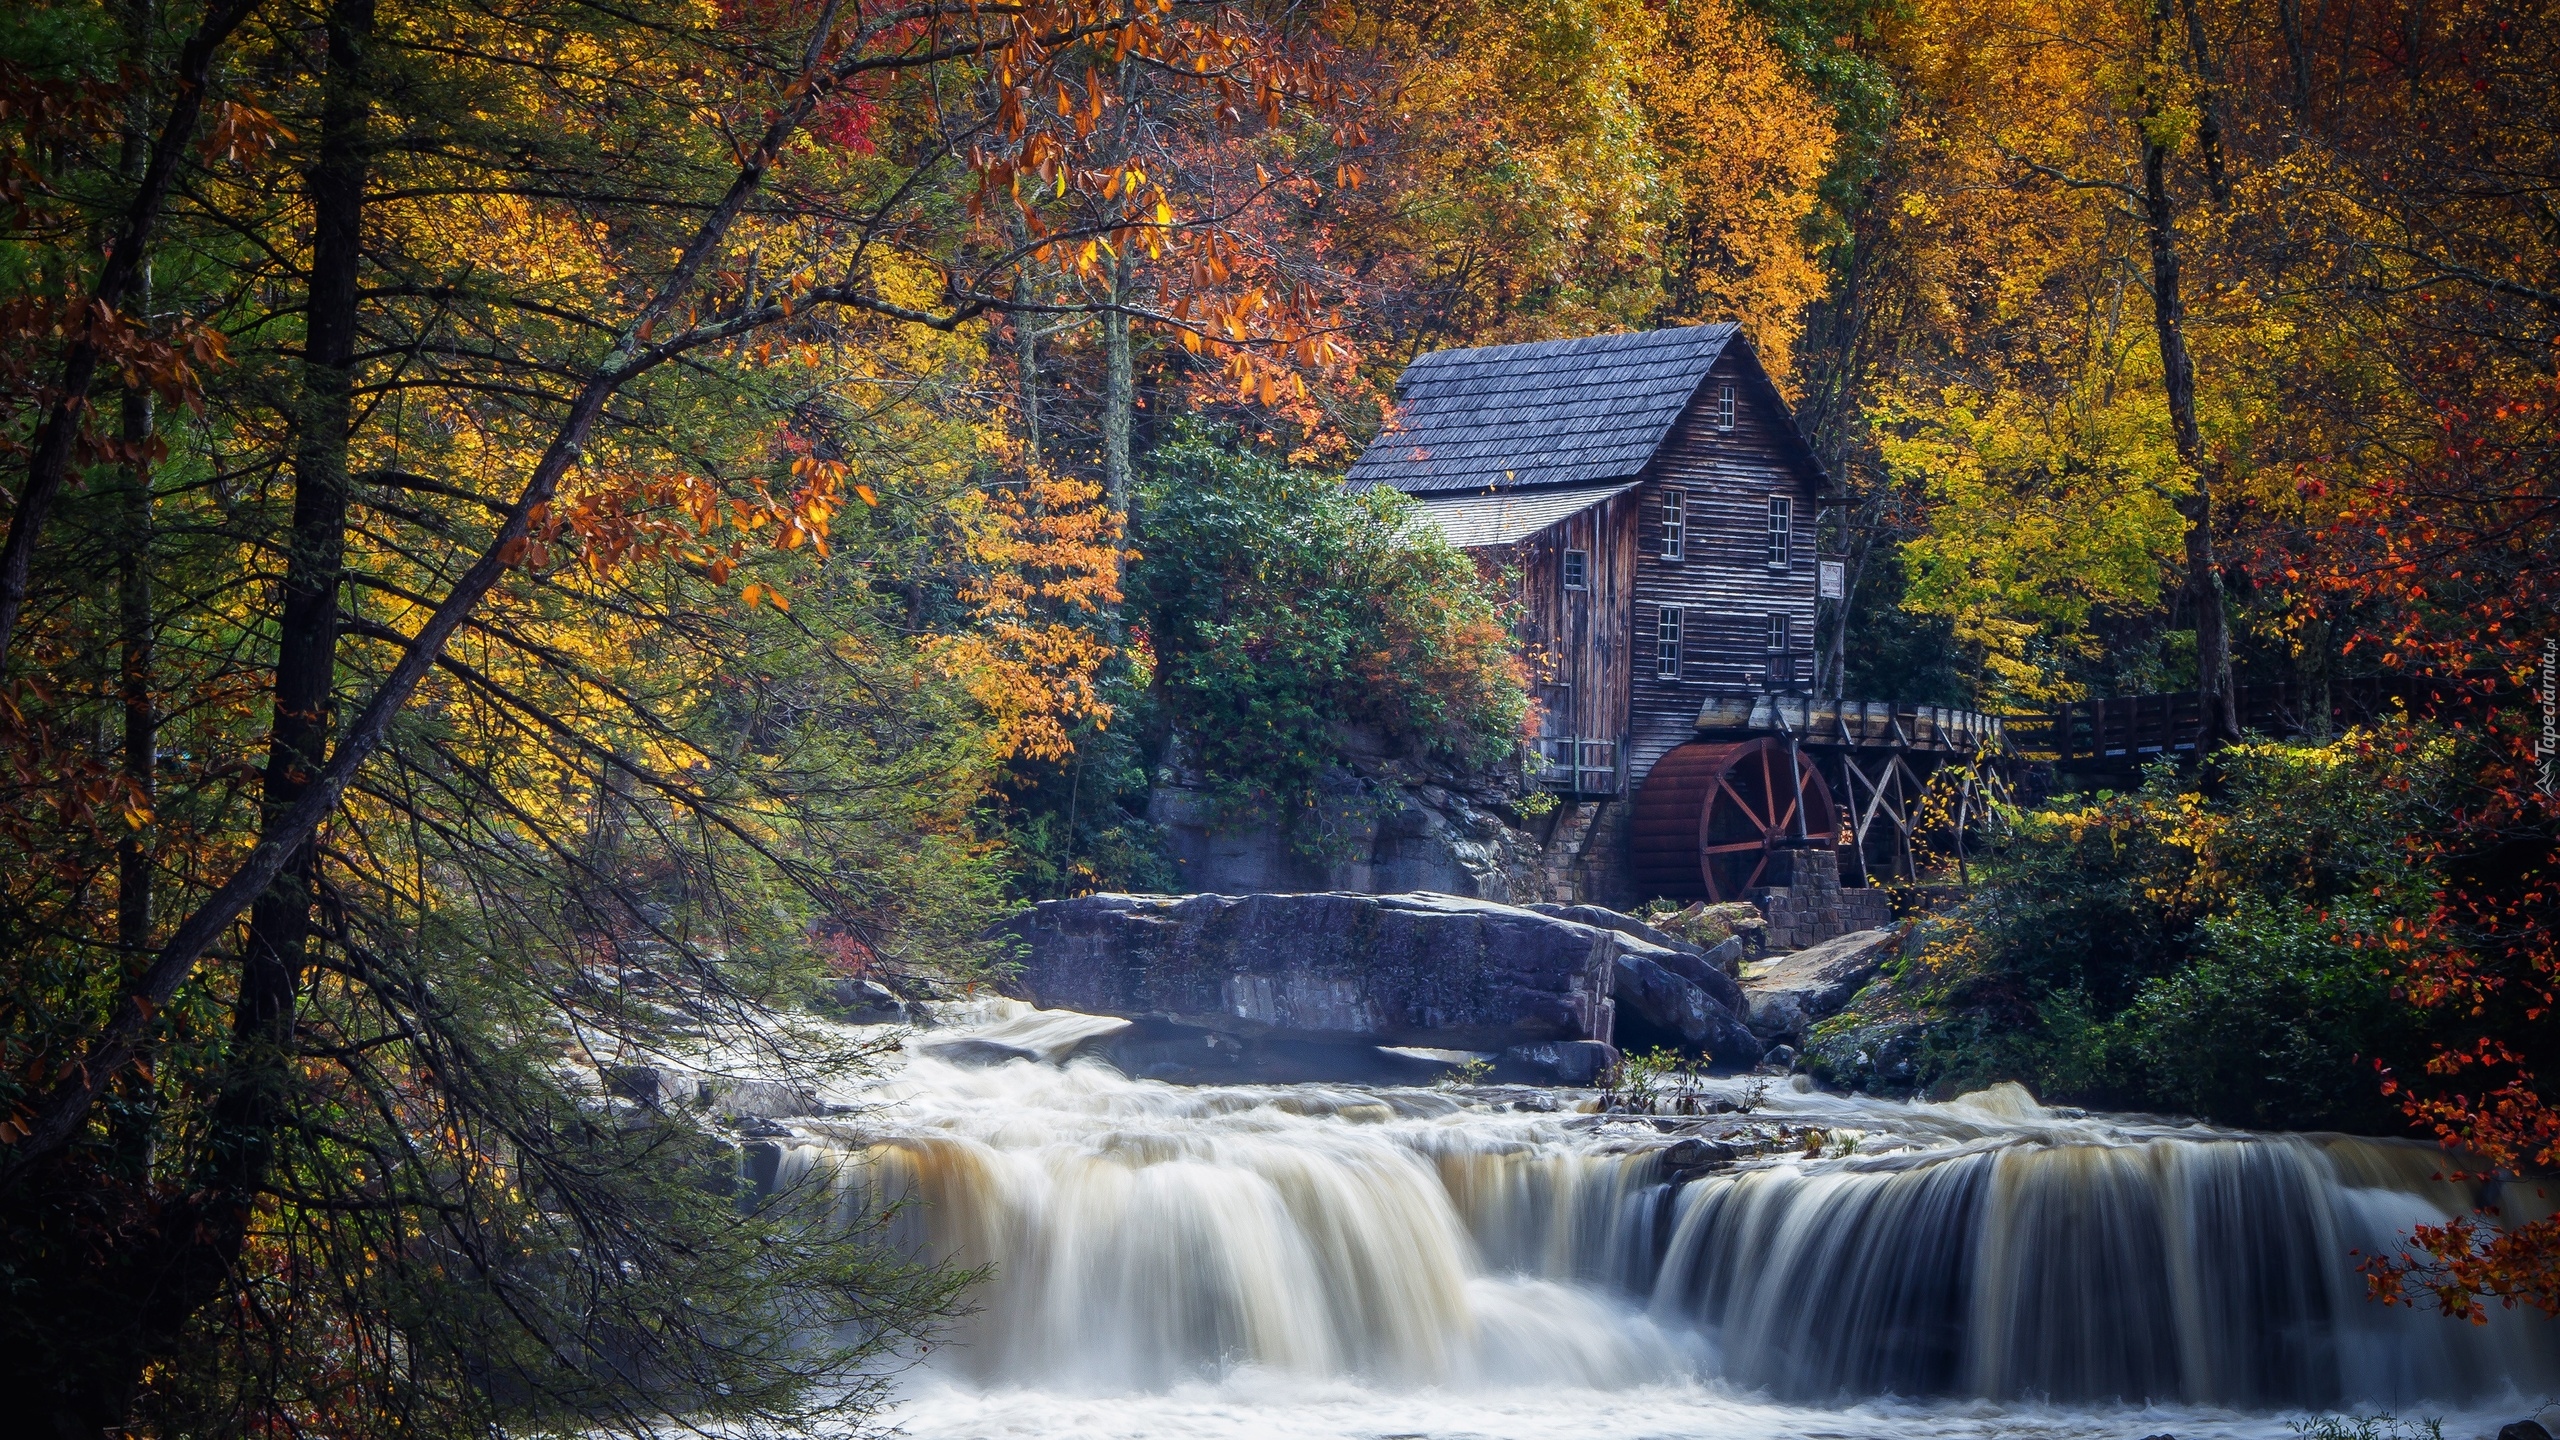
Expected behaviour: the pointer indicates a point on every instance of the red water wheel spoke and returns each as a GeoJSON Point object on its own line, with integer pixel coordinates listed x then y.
{"type": "Point", "coordinates": [1708, 812]}
{"type": "Point", "coordinates": [1741, 802]}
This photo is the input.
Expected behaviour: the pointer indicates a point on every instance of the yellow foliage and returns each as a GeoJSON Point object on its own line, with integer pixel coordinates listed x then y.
{"type": "Point", "coordinates": [1046, 555]}
{"type": "Point", "coordinates": [1582, 165]}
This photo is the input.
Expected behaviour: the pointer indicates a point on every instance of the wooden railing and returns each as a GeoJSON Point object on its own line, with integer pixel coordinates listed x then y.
{"type": "Point", "coordinates": [1581, 765]}
{"type": "Point", "coordinates": [2128, 730]}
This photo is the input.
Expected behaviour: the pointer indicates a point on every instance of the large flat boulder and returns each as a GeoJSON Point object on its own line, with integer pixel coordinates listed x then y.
{"type": "Point", "coordinates": [1789, 992]}
{"type": "Point", "coordinates": [1418, 969]}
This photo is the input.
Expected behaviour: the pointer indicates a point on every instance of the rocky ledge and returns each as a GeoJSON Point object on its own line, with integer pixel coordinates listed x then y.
{"type": "Point", "coordinates": [1788, 993]}
{"type": "Point", "coordinates": [1309, 986]}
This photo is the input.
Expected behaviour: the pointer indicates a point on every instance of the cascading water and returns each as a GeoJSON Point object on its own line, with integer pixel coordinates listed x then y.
{"type": "Point", "coordinates": [1307, 1259]}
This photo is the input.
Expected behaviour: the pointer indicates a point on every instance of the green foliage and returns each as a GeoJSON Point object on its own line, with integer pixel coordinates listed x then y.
{"type": "Point", "coordinates": [2043, 519]}
{"type": "Point", "coordinates": [1472, 1071]}
{"type": "Point", "coordinates": [1078, 825]}
{"type": "Point", "coordinates": [1894, 654]}
{"type": "Point", "coordinates": [2367, 1427]}
{"type": "Point", "coordinates": [1280, 611]}
{"type": "Point", "coordinates": [2201, 951]}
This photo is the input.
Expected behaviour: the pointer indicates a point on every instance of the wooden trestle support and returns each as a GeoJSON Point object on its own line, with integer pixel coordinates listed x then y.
{"type": "Point", "coordinates": [1880, 762]}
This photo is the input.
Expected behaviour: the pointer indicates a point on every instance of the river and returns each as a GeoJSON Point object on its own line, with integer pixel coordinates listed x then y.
{"type": "Point", "coordinates": [1345, 1262]}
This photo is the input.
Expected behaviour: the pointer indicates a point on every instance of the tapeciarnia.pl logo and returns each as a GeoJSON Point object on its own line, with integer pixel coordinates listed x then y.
{"type": "Point", "coordinates": [2548, 747]}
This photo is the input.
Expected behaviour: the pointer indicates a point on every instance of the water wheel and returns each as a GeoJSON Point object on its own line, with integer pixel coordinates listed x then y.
{"type": "Point", "coordinates": [1712, 812]}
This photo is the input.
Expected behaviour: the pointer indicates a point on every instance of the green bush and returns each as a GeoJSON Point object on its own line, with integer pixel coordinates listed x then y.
{"type": "Point", "coordinates": [2194, 948]}
{"type": "Point", "coordinates": [1278, 610]}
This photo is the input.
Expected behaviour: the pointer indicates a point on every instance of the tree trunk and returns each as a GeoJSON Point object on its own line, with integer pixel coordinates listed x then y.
{"type": "Point", "coordinates": [2289, 15]}
{"type": "Point", "coordinates": [2178, 376]}
{"type": "Point", "coordinates": [1026, 364]}
{"type": "Point", "coordinates": [307, 649]}
{"type": "Point", "coordinates": [2209, 127]}
{"type": "Point", "coordinates": [135, 1123]}
{"type": "Point", "coordinates": [1119, 388]}
{"type": "Point", "coordinates": [189, 1260]}
{"type": "Point", "coordinates": [1026, 350]}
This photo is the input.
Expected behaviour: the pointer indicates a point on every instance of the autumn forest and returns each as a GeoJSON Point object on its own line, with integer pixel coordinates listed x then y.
{"type": "Point", "coordinates": [540, 530]}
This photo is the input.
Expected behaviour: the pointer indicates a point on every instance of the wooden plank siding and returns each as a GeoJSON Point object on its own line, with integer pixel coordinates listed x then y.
{"type": "Point", "coordinates": [1580, 639]}
{"type": "Point", "coordinates": [1723, 584]}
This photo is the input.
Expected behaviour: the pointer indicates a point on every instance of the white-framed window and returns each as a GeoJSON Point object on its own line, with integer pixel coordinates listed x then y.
{"type": "Point", "coordinates": [1577, 570]}
{"type": "Point", "coordinates": [1724, 408]}
{"type": "Point", "coordinates": [1666, 643]}
{"type": "Point", "coordinates": [1675, 523]}
{"type": "Point", "coordinates": [1778, 635]}
{"type": "Point", "coordinates": [1782, 526]}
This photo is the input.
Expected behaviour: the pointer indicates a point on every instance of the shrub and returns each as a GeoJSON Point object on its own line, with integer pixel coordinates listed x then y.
{"type": "Point", "coordinates": [2196, 949]}
{"type": "Point", "coordinates": [1278, 610]}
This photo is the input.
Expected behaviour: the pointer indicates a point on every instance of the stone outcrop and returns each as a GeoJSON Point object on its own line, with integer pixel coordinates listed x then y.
{"type": "Point", "coordinates": [1660, 1006]}
{"type": "Point", "coordinates": [864, 1002]}
{"type": "Point", "coordinates": [1421, 969]}
{"type": "Point", "coordinates": [1155, 1048]}
{"type": "Point", "coordinates": [1674, 993]}
{"type": "Point", "coordinates": [1266, 988]}
{"type": "Point", "coordinates": [1711, 968]}
{"type": "Point", "coordinates": [1788, 993]}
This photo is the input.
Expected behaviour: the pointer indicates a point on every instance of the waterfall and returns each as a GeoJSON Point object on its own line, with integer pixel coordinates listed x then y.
{"type": "Point", "coordinates": [1137, 1237]}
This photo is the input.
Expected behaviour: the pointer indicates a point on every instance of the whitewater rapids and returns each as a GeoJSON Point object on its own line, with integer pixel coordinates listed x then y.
{"type": "Point", "coordinates": [1337, 1262]}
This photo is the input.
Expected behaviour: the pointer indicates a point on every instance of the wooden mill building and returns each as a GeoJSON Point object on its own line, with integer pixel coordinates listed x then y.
{"type": "Point", "coordinates": [1657, 503]}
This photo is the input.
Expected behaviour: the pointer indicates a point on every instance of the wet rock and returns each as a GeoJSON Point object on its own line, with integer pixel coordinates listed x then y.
{"type": "Point", "coordinates": [1685, 1160]}
{"type": "Point", "coordinates": [1690, 1153]}
{"type": "Point", "coordinates": [1415, 969]}
{"type": "Point", "coordinates": [1577, 1063]}
{"type": "Point", "coordinates": [1789, 993]}
{"type": "Point", "coordinates": [1878, 1059]}
{"type": "Point", "coordinates": [1156, 1048]}
{"type": "Point", "coordinates": [647, 1084]}
{"type": "Point", "coordinates": [760, 1166]}
{"type": "Point", "coordinates": [756, 1099]}
{"type": "Point", "coordinates": [1657, 1006]}
{"type": "Point", "coordinates": [1780, 1058]}
{"type": "Point", "coordinates": [2524, 1430]}
{"type": "Point", "coordinates": [977, 1052]}
{"type": "Point", "coordinates": [863, 1002]}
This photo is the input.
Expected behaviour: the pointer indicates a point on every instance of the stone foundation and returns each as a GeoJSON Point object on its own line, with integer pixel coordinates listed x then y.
{"type": "Point", "coordinates": [1805, 904]}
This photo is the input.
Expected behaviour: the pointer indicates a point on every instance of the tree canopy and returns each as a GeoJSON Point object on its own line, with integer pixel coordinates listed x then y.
{"type": "Point", "coordinates": [539, 531]}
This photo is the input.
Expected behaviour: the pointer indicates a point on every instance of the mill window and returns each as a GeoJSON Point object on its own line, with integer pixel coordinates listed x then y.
{"type": "Point", "coordinates": [1577, 570]}
{"type": "Point", "coordinates": [1778, 634]}
{"type": "Point", "coordinates": [1724, 409]}
{"type": "Point", "coordinates": [1782, 521]}
{"type": "Point", "coordinates": [1675, 523]}
{"type": "Point", "coordinates": [1666, 644]}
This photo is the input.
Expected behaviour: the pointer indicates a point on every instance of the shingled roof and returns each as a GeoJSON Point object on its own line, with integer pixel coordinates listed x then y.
{"type": "Point", "coordinates": [1558, 412]}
